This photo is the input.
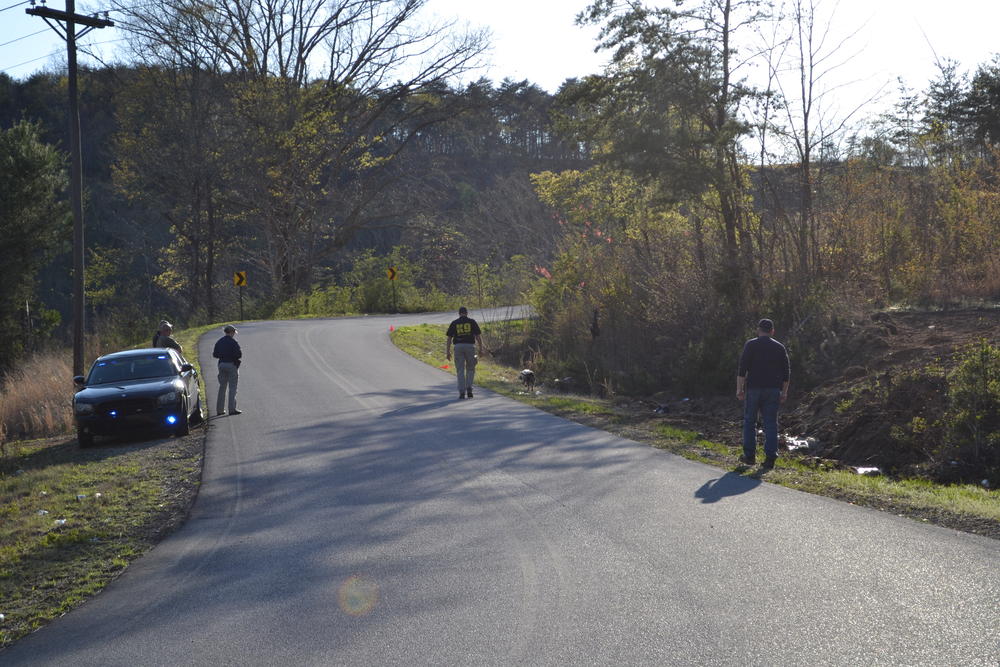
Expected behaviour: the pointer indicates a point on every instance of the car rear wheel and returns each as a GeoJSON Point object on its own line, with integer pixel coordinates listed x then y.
{"type": "Point", "coordinates": [84, 439]}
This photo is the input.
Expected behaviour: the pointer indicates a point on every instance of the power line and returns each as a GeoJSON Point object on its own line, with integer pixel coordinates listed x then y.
{"type": "Point", "coordinates": [28, 62]}
{"type": "Point", "coordinates": [58, 51]}
{"type": "Point", "coordinates": [25, 37]}
{"type": "Point", "coordinates": [139, 5]}
{"type": "Point", "coordinates": [16, 4]}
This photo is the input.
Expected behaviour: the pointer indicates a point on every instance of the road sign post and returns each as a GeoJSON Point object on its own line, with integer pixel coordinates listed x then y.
{"type": "Point", "coordinates": [240, 280]}
{"type": "Point", "coordinates": [392, 279]}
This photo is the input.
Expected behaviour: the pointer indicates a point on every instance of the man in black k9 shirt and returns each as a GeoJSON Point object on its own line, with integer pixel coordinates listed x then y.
{"type": "Point", "coordinates": [465, 334]}
{"type": "Point", "coordinates": [762, 383]}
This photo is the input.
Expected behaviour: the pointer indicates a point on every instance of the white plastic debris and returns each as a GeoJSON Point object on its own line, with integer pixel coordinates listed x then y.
{"type": "Point", "coordinates": [98, 496]}
{"type": "Point", "coordinates": [985, 483]}
{"type": "Point", "coordinates": [793, 443]}
{"type": "Point", "coordinates": [2, 617]}
{"type": "Point", "coordinates": [60, 522]}
{"type": "Point", "coordinates": [796, 443]}
{"type": "Point", "coordinates": [43, 493]}
{"type": "Point", "coordinates": [861, 470]}
{"type": "Point", "coordinates": [81, 496]}
{"type": "Point", "coordinates": [42, 512]}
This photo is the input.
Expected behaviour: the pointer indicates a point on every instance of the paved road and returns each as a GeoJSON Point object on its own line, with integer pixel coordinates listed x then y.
{"type": "Point", "coordinates": [356, 514]}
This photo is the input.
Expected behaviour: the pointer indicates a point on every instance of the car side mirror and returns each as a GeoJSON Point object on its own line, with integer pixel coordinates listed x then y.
{"type": "Point", "coordinates": [78, 381]}
{"type": "Point", "coordinates": [186, 368]}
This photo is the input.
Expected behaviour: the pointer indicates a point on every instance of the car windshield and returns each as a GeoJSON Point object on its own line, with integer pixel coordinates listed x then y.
{"type": "Point", "coordinates": [131, 368]}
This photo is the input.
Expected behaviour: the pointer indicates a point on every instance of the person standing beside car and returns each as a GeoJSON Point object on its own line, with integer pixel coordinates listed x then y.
{"type": "Point", "coordinates": [229, 354]}
{"type": "Point", "coordinates": [465, 334]}
{"type": "Point", "coordinates": [762, 385]}
{"type": "Point", "coordinates": [156, 334]}
{"type": "Point", "coordinates": [163, 337]}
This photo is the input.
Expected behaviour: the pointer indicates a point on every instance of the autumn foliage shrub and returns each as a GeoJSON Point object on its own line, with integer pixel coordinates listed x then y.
{"type": "Point", "coordinates": [641, 294]}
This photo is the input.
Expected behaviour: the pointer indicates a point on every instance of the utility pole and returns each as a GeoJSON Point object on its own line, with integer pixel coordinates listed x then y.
{"type": "Point", "coordinates": [65, 23]}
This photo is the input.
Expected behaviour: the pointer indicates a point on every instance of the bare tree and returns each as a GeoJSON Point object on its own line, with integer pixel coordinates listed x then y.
{"type": "Point", "coordinates": [813, 121]}
{"type": "Point", "coordinates": [323, 96]}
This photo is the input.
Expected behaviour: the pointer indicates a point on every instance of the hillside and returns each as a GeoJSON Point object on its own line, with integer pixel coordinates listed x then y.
{"type": "Point", "coordinates": [873, 377]}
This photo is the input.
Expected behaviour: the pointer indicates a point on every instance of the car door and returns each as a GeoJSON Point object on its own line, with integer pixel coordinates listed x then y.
{"type": "Point", "coordinates": [190, 378]}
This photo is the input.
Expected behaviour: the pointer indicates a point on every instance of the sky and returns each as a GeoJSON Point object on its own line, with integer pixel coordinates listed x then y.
{"type": "Point", "coordinates": [539, 41]}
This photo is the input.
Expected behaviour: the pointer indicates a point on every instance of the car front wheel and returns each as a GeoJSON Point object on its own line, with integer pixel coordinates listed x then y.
{"type": "Point", "coordinates": [197, 417]}
{"type": "Point", "coordinates": [84, 439]}
{"type": "Point", "coordinates": [183, 423]}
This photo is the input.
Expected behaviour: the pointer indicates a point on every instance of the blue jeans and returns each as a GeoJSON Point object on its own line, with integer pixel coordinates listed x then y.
{"type": "Point", "coordinates": [765, 401]}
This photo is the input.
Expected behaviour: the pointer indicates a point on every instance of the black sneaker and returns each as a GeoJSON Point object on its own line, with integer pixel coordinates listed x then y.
{"type": "Point", "coordinates": [235, 412]}
{"type": "Point", "coordinates": [747, 460]}
{"type": "Point", "coordinates": [769, 462]}
{"type": "Point", "coordinates": [470, 393]}
{"type": "Point", "coordinates": [461, 397]}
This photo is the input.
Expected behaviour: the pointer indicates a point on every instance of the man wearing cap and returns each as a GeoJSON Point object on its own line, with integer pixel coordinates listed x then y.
{"type": "Point", "coordinates": [229, 354]}
{"type": "Point", "coordinates": [465, 334]}
{"type": "Point", "coordinates": [162, 337]}
{"type": "Point", "coordinates": [762, 385]}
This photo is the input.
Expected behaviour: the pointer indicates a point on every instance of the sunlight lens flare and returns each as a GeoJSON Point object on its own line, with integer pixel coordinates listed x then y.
{"type": "Point", "coordinates": [358, 595]}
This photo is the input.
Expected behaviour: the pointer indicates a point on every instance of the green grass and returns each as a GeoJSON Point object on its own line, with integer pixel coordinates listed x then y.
{"type": "Point", "coordinates": [71, 519]}
{"type": "Point", "coordinates": [964, 507]}
{"type": "Point", "coordinates": [426, 342]}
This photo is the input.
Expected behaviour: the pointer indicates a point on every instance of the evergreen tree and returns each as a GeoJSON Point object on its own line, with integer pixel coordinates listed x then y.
{"type": "Point", "coordinates": [983, 104]}
{"type": "Point", "coordinates": [33, 226]}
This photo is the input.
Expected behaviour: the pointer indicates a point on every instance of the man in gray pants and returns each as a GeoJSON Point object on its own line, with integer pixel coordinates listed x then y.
{"type": "Point", "coordinates": [465, 334]}
{"type": "Point", "coordinates": [229, 354]}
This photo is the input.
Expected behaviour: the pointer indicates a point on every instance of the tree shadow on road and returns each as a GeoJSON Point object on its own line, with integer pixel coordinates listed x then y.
{"type": "Point", "coordinates": [730, 484]}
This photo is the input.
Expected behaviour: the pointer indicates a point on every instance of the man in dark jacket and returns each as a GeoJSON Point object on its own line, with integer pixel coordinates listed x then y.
{"type": "Point", "coordinates": [229, 354]}
{"type": "Point", "coordinates": [762, 383]}
{"type": "Point", "coordinates": [465, 334]}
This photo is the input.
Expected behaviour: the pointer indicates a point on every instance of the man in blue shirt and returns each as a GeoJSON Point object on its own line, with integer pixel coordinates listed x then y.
{"type": "Point", "coordinates": [762, 384]}
{"type": "Point", "coordinates": [229, 354]}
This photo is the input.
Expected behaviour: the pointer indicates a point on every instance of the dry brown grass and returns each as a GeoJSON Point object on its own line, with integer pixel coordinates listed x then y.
{"type": "Point", "coordinates": [36, 399]}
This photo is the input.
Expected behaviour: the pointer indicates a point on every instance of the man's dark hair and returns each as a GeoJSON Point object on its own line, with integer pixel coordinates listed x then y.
{"type": "Point", "coordinates": [766, 325]}
{"type": "Point", "coordinates": [463, 311]}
